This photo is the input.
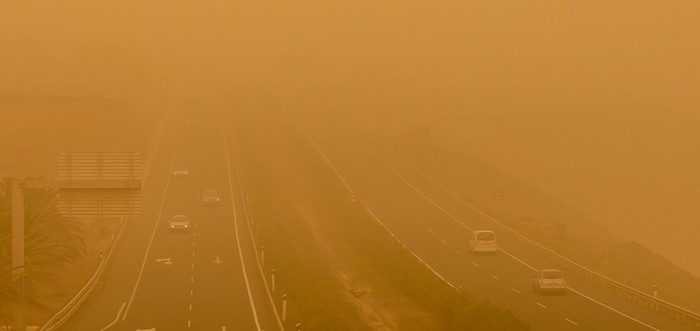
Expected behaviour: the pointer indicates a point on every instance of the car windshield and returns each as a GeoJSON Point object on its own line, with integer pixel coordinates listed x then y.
{"type": "Point", "coordinates": [485, 236]}
{"type": "Point", "coordinates": [178, 218]}
{"type": "Point", "coordinates": [551, 274]}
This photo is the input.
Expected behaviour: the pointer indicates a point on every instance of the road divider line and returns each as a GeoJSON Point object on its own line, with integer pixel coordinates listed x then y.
{"type": "Point", "coordinates": [235, 225]}
{"type": "Point", "coordinates": [483, 213]}
{"type": "Point", "coordinates": [516, 291]}
{"type": "Point", "coordinates": [494, 277]}
{"type": "Point", "coordinates": [572, 322]}
{"type": "Point", "coordinates": [541, 305]}
{"type": "Point", "coordinates": [116, 318]}
{"type": "Point", "coordinates": [153, 233]}
{"type": "Point", "coordinates": [613, 309]}
{"type": "Point", "coordinates": [474, 263]}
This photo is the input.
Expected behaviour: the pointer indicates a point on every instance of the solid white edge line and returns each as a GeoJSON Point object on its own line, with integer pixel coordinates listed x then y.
{"type": "Point", "coordinates": [235, 225]}
{"type": "Point", "coordinates": [446, 213]}
{"type": "Point", "coordinates": [257, 259]}
{"type": "Point", "coordinates": [116, 318]}
{"type": "Point", "coordinates": [153, 233]}
{"type": "Point", "coordinates": [613, 309]}
{"type": "Point", "coordinates": [470, 229]}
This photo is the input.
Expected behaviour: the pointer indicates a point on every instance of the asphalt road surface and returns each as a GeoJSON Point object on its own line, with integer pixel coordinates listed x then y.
{"type": "Point", "coordinates": [436, 226]}
{"type": "Point", "coordinates": [207, 278]}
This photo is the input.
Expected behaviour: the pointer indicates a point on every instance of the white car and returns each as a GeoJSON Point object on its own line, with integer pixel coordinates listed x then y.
{"type": "Point", "coordinates": [549, 280]}
{"type": "Point", "coordinates": [179, 223]}
{"type": "Point", "coordinates": [484, 241]}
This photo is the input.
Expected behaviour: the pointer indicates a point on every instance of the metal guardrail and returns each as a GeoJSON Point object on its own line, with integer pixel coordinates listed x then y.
{"type": "Point", "coordinates": [60, 318]}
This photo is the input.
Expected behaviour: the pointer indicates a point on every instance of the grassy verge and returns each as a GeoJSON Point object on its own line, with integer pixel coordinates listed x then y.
{"type": "Point", "coordinates": [314, 298]}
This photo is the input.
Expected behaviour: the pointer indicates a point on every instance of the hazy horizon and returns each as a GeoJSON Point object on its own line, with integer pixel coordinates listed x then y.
{"type": "Point", "coordinates": [594, 102]}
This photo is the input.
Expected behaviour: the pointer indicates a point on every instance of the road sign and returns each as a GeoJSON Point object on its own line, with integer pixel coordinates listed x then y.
{"type": "Point", "coordinates": [99, 184]}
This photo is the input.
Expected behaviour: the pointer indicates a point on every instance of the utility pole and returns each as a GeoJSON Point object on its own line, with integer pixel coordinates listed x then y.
{"type": "Point", "coordinates": [18, 247]}
{"type": "Point", "coordinates": [124, 176]}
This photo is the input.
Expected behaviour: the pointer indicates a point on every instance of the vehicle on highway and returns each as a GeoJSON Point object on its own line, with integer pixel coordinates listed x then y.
{"type": "Point", "coordinates": [483, 241]}
{"type": "Point", "coordinates": [211, 197]}
{"type": "Point", "coordinates": [180, 171]}
{"type": "Point", "coordinates": [549, 280]}
{"type": "Point", "coordinates": [179, 223]}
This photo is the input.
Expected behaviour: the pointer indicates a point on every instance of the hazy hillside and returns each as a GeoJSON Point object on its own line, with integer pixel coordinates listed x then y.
{"type": "Point", "coordinates": [548, 220]}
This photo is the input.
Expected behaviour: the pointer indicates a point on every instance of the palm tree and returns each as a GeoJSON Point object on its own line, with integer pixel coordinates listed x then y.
{"type": "Point", "coordinates": [51, 241]}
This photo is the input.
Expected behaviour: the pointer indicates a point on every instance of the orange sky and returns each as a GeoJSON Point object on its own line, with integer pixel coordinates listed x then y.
{"type": "Point", "coordinates": [594, 101]}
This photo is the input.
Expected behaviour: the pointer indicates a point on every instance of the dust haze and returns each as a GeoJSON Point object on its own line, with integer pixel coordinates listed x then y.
{"type": "Point", "coordinates": [595, 102]}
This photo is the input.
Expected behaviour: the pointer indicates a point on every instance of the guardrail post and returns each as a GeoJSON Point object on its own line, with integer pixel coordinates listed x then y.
{"type": "Point", "coordinates": [262, 255]}
{"type": "Point", "coordinates": [284, 307]}
{"type": "Point", "coordinates": [273, 280]}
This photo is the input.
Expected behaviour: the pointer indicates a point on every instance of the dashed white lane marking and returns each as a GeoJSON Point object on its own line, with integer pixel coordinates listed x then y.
{"type": "Point", "coordinates": [408, 212]}
{"type": "Point", "coordinates": [399, 204]}
{"type": "Point", "coordinates": [189, 323]}
{"type": "Point", "coordinates": [192, 253]}
{"type": "Point", "coordinates": [192, 279]}
{"type": "Point", "coordinates": [194, 243]}
{"type": "Point", "coordinates": [494, 277]}
{"type": "Point", "coordinates": [192, 266]}
{"type": "Point", "coordinates": [474, 263]}
{"type": "Point", "coordinates": [190, 307]}
{"type": "Point", "coordinates": [191, 292]}
{"type": "Point", "coordinates": [195, 234]}
{"type": "Point", "coordinates": [431, 231]}
{"type": "Point", "coordinates": [419, 220]}
{"type": "Point", "coordinates": [572, 322]}
{"type": "Point", "coordinates": [516, 291]}
{"type": "Point", "coordinates": [444, 242]}
{"type": "Point", "coordinates": [458, 252]}
{"type": "Point", "coordinates": [541, 305]}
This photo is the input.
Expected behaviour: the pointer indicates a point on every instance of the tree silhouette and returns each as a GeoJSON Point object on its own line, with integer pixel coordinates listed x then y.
{"type": "Point", "coordinates": [51, 242]}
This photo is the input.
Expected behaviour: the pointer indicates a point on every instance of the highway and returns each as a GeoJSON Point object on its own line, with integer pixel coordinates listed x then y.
{"type": "Point", "coordinates": [207, 278]}
{"type": "Point", "coordinates": [435, 225]}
